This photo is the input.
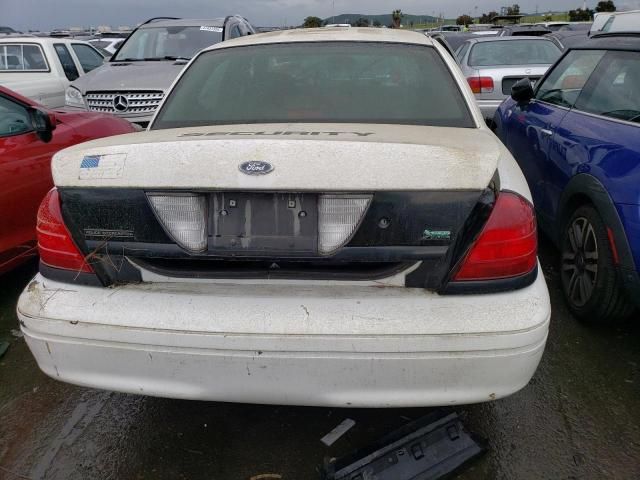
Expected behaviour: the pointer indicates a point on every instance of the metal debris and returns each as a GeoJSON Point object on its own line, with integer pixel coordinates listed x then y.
{"type": "Point", "coordinates": [331, 437]}
{"type": "Point", "coordinates": [427, 449]}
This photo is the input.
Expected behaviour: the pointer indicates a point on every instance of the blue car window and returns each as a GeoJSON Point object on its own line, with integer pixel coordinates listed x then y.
{"type": "Point", "coordinates": [614, 88]}
{"type": "Point", "coordinates": [564, 84]}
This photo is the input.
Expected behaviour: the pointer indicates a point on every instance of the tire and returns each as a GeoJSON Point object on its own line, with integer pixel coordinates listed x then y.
{"type": "Point", "coordinates": [591, 285]}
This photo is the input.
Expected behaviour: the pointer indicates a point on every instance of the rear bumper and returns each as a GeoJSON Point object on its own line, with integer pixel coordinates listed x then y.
{"type": "Point", "coordinates": [283, 343]}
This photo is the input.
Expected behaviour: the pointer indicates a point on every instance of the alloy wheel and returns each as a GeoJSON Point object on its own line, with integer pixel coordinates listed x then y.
{"type": "Point", "coordinates": [580, 261]}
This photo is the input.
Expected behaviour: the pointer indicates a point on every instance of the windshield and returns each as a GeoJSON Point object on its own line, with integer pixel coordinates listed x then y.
{"type": "Point", "coordinates": [333, 82]}
{"type": "Point", "coordinates": [514, 52]}
{"type": "Point", "coordinates": [167, 43]}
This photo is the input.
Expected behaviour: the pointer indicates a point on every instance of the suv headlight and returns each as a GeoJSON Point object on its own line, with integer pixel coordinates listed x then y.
{"type": "Point", "coordinates": [73, 98]}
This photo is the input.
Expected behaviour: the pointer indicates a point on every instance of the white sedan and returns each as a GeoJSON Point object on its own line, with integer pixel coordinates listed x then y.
{"type": "Point", "coordinates": [315, 217]}
{"type": "Point", "coordinates": [42, 68]}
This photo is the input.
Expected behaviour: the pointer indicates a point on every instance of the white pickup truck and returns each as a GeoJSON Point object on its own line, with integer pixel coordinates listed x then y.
{"type": "Point", "coordinates": [42, 68]}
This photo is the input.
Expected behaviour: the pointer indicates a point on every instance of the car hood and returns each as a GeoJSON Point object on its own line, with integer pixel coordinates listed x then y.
{"type": "Point", "coordinates": [115, 76]}
{"type": "Point", "coordinates": [305, 157]}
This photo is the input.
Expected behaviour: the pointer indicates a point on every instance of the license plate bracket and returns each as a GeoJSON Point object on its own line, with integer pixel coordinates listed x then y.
{"type": "Point", "coordinates": [263, 223]}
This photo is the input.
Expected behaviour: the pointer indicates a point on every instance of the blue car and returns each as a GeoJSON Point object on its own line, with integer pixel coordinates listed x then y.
{"type": "Point", "coordinates": [576, 136]}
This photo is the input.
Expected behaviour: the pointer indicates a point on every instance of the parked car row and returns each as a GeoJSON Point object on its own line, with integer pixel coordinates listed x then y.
{"type": "Point", "coordinates": [307, 220]}
{"type": "Point", "coordinates": [305, 205]}
{"type": "Point", "coordinates": [43, 68]}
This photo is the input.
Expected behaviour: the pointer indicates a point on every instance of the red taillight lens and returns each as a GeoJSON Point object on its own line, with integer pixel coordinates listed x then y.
{"type": "Point", "coordinates": [481, 84]}
{"type": "Point", "coordinates": [54, 241]}
{"type": "Point", "coordinates": [508, 244]}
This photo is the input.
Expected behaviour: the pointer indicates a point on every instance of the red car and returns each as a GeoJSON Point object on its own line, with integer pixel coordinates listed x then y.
{"type": "Point", "coordinates": [29, 136]}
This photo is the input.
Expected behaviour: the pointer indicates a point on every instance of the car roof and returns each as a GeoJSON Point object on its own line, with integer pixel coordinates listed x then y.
{"type": "Point", "coordinates": [40, 40]}
{"type": "Point", "coordinates": [505, 39]}
{"type": "Point", "coordinates": [334, 34]}
{"type": "Point", "coordinates": [611, 41]}
{"type": "Point", "coordinates": [186, 22]}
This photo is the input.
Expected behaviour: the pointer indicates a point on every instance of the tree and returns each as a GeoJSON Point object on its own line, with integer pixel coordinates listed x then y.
{"type": "Point", "coordinates": [606, 6]}
{"type": "Point", "coordinates": [312, 22]}
{"type": "Point", "coordinates": [580, 15]}
{"type": "Point", "coordinates": [488, 17]}
{"type": "Point", "coordinates": [377, 24]}
{"type": "Point", "coordinates": [513, 9]}
{"type": "Point", "coordinates": [396, 16]}
{"type": "Point", "coordinates": [464, 20]}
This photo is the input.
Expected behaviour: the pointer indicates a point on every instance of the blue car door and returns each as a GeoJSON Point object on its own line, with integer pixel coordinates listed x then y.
{"type": "Point", "coordinates": [601, 134]}
{"type": "Point", "coordinates": [601, 137]}
{"type": "Point", "coordinates": [530, 128]}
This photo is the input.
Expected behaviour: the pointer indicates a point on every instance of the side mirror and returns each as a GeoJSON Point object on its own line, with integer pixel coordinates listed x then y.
{"type": "Point", "coordinates": [522, 91]}
{"type": "Point", "coordinates": [43, 123]}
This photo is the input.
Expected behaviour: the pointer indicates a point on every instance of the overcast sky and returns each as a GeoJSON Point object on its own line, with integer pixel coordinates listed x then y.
{"type": "Point", "coordinates": [48, 14]}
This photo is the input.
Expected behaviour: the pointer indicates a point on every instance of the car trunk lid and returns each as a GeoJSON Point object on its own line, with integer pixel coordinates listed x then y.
{"type": "Point", "coordinates": [346, 202]}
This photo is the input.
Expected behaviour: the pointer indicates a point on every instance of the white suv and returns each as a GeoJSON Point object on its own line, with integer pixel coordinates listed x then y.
{"type": "Point", "coordinates": [315, 217]}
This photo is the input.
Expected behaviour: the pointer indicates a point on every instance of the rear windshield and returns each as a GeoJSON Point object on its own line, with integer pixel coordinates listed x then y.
{"type": "Point", "coordinates": [333, 82]}
{"type": "Point", "coordinates": [167, 43]}
{"type": "Point", "coordinates": [514, 52]}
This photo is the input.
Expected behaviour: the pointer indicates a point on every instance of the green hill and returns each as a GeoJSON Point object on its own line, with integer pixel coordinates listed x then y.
{"type": "Point", "coordinates": [383, 19]}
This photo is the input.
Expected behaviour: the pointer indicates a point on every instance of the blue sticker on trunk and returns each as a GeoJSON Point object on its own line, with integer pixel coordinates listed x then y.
{"type": "Point", "coordinates": [102, 167]}
{"type": "Point", "coordinates": [92, 161]}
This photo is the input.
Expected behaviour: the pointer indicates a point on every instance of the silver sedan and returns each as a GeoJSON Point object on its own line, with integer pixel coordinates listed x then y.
{"type": "Point", "coordinates": [493, 65]}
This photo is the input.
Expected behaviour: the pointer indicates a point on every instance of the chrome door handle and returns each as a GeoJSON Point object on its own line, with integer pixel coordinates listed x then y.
{"type": "Point", "coordinates": [546, 132]}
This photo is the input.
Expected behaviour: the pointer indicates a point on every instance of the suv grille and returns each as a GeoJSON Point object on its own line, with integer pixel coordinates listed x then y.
{"type": "Point", "coordinates": [124, 102]}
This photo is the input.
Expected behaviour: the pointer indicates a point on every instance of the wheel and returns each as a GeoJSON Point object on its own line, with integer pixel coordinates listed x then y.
{"type": "Point", "coordinates": [591, 285]}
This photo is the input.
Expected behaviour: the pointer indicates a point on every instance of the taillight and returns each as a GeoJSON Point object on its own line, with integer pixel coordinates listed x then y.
{"type": "Point", "coordinates": [54, 240]}
{"type": "Point", "coordinates": [508, 244]}
{"type": "Point", "coordinates": [481, 84]}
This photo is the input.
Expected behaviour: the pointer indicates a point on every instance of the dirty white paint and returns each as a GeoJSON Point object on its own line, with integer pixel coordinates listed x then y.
{"type": "Point", "coordinates": [288, 344]}
{"type": "Point", "coordinates": [392, 157]}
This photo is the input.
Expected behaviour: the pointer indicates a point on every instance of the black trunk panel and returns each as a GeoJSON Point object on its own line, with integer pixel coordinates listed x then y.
{"type": "Point", "coordinates": [398, 230]}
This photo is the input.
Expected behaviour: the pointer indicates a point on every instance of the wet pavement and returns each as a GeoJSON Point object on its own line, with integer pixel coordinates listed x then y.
{"type": "Point", "coordinates": [579, 418]}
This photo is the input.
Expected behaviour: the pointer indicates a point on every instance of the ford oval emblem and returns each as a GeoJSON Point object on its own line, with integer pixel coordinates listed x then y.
{"type": "Point", "coordinates": [256, 168]}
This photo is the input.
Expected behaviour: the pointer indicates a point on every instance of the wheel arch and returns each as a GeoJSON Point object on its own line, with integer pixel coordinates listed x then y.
{"type": "Point", "coordinates": [586, 189]}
